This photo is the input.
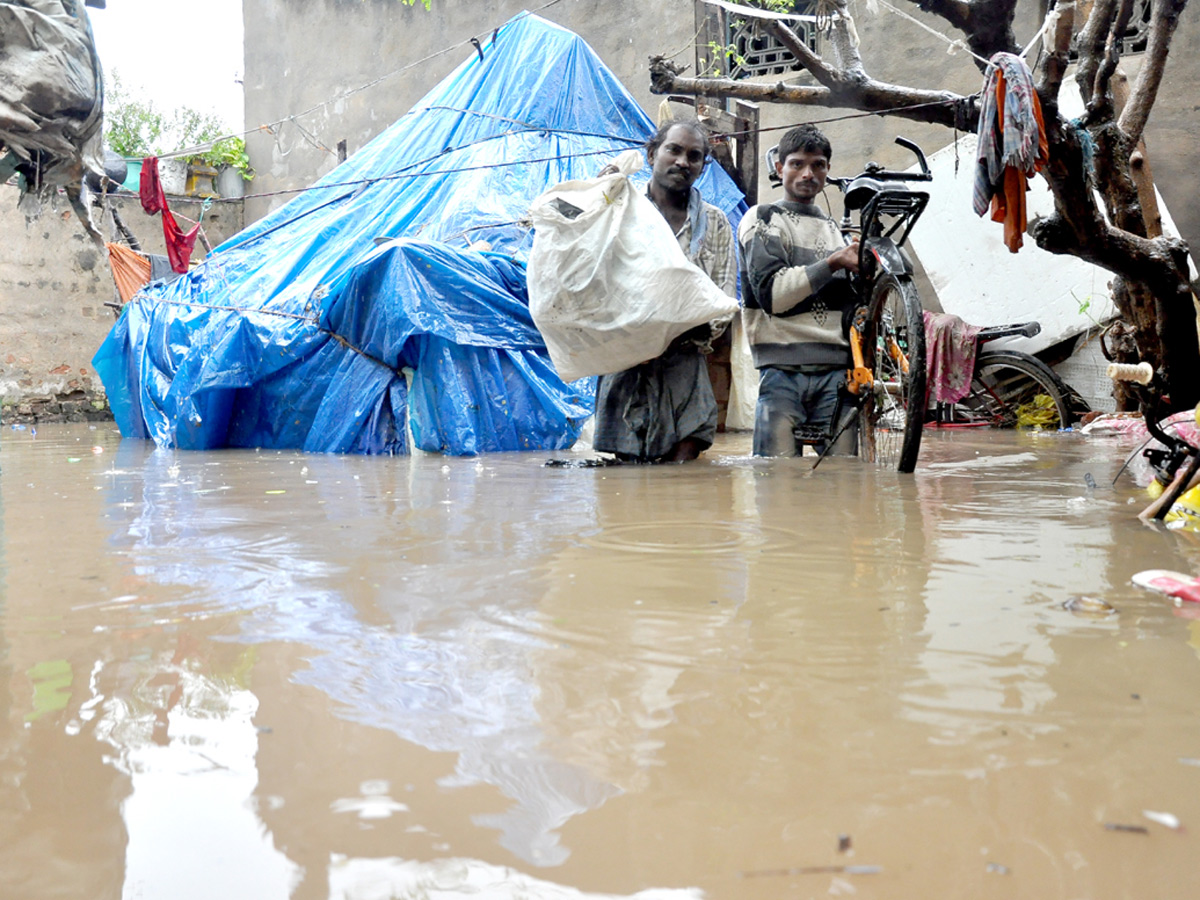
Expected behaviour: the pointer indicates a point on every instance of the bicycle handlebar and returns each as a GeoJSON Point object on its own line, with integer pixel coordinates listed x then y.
{"type": "Point", "coordinates": [878, 173]}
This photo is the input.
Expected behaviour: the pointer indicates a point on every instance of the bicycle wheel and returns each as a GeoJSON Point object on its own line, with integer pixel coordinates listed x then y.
{"type": "Point", "coordinates": [894, 350]}
{"type": "Point", "coordinates": [1009, 386]}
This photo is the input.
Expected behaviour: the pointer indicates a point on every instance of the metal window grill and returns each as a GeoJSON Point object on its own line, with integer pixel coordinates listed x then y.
{"type": "Point", "coordinates": [740, 48]}
{"type": "Point", "coordinates": [759, 53]}
{"type": "Point", "coordinates": [1134, 38]}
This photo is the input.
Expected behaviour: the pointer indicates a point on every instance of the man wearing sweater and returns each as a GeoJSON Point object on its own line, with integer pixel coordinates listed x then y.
{"type": "Point", "coordinates": [796, 293]}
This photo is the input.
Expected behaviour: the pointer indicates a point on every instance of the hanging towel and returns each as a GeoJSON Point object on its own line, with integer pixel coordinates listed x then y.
{"type": "Point", "coordinates": [1012, 145]}
{"type": "Point", "coordinates": [949, 356]}
{"type": "Point", "coordinates": [179, 243]}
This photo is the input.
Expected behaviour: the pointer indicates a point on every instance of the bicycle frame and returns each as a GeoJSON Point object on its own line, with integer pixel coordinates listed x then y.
{"type": "Point", "coordinates": [879, 248]}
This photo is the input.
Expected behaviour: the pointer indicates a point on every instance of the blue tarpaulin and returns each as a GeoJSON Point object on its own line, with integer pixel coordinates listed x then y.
{"type": "Point", "coordinates": [357, 311]}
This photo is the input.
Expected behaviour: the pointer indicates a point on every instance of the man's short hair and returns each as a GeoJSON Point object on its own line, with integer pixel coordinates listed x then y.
{"type": "Point", "coordinates": [806, 138]}
{"type": "Point", "coordinates": [660, 135]}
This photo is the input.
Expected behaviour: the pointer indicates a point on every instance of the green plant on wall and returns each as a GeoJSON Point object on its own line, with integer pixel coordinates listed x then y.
{"type": "Point", "coordinates": [230, 152]}
{"type": "Point", "coordinates": [134, 127]}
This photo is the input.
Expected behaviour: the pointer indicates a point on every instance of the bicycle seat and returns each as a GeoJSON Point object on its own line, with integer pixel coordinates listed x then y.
{"type": "Point", "coordinates": [1022, 329]}
{"type": "Point", "coordinates": [860, 191]}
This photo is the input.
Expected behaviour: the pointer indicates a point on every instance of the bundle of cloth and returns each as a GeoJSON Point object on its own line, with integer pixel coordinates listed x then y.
{"type": "Point", "coordinates": [1012, 145]}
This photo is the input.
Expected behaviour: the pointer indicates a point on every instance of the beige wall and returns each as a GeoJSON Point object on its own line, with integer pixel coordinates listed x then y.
{"type": "Point", "coordinates": [54, 283]}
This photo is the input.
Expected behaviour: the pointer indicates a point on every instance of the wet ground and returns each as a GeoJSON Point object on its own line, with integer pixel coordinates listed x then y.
{"type": "Point", "coordinates": [257, 675]}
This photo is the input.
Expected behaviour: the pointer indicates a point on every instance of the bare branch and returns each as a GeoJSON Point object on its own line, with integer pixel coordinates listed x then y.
{"type": "Point", "coordinates": [938, 107]}
{"type": "Point", "coordinates": [844, 47]}
{"type": "Point", "coordinates": [987, 24]}
{"type": "Point", "coordinates": [1101, 91]}
{"type": "Point", "coordinates": [1164, 17]}
{"type": "Point", "coordinates": [1090, 46]}
{"type": "Point", "coordinates": [957, 12]}
{"type": "Point", "coordinates": [1055, 65]}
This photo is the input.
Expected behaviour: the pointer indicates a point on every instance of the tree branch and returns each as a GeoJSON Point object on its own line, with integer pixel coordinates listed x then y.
{"type": "Point", "coordinates": [821, 70]}
{"type": "Point", "coordinates": [987, 24]}
{"type": "Point", "coordinates": [938, 107]}
{"type": "Point", "coordinates": [958, 13]}
{"type": "Point", "coordinates": [1101, 93]}
{"type": "Point", "coordinates": [1164, 17]}
{"type": "Point", "coordinates": [845, 48]}
{"type": "Point", "coordinates": [1090, 46]}
{"type": "Point", "coordinates": [1057, 60]}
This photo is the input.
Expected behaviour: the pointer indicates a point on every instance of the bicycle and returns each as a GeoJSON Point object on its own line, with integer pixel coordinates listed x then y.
{"type": "Point", "coordinates": [887, 334]}
{"type": "Point", "coordinates": [1006, 385]}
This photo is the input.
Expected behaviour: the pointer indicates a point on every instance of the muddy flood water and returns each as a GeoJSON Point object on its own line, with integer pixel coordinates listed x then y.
{"type": "Point", "coordinates": [261, 675]}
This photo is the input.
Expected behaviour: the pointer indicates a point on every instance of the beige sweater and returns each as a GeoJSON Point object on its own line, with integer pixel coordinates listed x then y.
{"type": "Point", "coordinates": [793, 304]}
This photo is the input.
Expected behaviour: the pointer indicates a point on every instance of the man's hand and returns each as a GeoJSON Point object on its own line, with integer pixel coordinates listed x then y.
{"type": "Point", "coordinates": [846, 258]}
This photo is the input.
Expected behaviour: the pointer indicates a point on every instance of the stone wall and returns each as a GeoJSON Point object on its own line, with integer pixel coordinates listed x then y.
{"type": "Point", "coordinates": [54, 284]}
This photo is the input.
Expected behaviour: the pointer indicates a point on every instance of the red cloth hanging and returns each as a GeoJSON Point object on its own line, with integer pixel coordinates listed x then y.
{"type": "Point", "coordinates": [179, 243]}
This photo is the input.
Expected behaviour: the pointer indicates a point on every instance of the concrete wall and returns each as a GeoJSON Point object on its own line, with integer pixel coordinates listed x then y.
{"type": "Point", "coordinates": [54, 283]}
{"type": "Point", "coordinates": [299, 55]}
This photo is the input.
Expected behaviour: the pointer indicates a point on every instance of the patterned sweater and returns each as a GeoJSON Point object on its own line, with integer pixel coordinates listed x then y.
{"type": "Point", "coordinates": [794, 304]}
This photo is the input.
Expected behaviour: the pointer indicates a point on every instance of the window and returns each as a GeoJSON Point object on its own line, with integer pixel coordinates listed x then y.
{"type": "Point", "coordinates": [740, 48]}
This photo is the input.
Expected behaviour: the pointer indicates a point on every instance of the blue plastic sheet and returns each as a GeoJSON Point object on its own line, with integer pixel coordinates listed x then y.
{"type": "Point", "coordinates": [328, 326]}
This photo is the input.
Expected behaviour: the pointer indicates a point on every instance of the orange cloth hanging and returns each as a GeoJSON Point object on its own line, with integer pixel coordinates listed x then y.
{"type": "Point", "coordinates": [1008, 203]}
{"type": "Point", "coordinates": [130, 270]}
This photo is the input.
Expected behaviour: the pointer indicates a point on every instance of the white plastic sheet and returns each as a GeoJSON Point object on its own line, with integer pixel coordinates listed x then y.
{"type": "Point", "coordinates": [609, 285]}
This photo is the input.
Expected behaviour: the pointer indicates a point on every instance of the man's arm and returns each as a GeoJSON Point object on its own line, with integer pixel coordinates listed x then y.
{"type": "Point", "coordinates": [774, 284]}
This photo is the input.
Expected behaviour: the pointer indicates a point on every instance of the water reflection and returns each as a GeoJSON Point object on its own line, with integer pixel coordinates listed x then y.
{"type": "Point", "coordinates": [187, 743]}
{"type": "Point", "coordinates": [431, 639]}
{"type": "Point", "coordinates": [351, 677]}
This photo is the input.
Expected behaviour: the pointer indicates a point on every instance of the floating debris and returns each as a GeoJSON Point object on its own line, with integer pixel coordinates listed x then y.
{"type": "Point", "coordinates": [998, 869]}
{"type": "Point", "coordinates": [1119, 826]}
{"type": "Point", "coordinates": [1189, 761]}
{"type": "Point", "coordinates": [598, 462]}
{"type": "Point", "coordinates": [813, 870]}
{"type": "Point", "coordinates": [844, 843]}
{"type": "Point", "coordinates": [1089, 606]}
{"type": "Point", "coordinates": [1162, 818]}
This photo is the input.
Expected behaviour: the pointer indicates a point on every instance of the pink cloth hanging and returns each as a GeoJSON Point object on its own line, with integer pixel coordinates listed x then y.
{"type": "Point", "coordinates": [950, 345]}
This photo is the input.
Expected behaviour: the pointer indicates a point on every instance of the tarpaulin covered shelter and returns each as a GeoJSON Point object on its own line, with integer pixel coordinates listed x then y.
{"type": "Point", "coordinates": [358, 307]}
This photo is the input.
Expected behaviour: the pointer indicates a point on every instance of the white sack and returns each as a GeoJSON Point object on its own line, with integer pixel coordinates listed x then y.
{"type": "Point", "coordinates": [609, 285]}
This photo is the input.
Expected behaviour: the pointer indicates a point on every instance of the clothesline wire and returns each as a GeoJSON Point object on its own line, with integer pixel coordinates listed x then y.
{"type": "Point", "coordinates": [407, 172]}
{"type": "Point", "coordinates": [955, 43]}
{"type": "Point", "coordinates": [395, 176]}
{"type": "Point", "coordinates": [269, 126]}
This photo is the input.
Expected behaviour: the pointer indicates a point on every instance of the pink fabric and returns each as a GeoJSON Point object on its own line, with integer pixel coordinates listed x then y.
{"type": "Point", "coordinates": [949, 356]}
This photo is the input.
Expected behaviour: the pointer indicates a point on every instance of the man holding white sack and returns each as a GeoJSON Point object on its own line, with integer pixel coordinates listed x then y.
{"type": "Point", "coordinates": [664, 410]}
